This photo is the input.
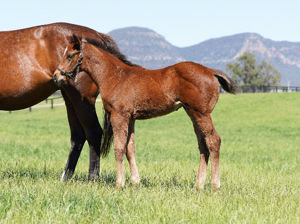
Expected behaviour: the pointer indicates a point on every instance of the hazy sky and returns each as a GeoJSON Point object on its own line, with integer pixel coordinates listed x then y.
{"type": "Point", "coordinates": [182, 23]}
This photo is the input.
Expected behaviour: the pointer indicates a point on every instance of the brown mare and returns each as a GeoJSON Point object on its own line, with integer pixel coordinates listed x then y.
{"type": "Point", "coordinates": [130, 92]}
{"type": "Point", "coordinates": [29, 58]}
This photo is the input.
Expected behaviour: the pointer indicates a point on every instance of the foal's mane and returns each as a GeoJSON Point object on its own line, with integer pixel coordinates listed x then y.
{"type": "Point", "coordinates": [110, 46]}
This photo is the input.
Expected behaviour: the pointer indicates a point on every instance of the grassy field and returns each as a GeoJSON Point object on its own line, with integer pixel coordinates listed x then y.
{"type": "Point", "coordinates": [259, 167]}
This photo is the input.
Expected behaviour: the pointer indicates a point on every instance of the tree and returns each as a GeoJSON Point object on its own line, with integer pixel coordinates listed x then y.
{"type": "Point", "coordinates": [246, 71]}
{"type": "Point", "coordinates": [270, 75]}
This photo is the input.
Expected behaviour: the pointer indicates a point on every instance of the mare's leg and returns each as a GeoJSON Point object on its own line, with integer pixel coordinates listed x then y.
{"type": "Point", "coordinates": [120, 126]}
{"type": "Point", "coordinates": [77, 141]}
{"type": "Point", "coordinates": [130, 154]}
{"type": "Point", "coordinates": [87, 117]}
{"type": "Point", "coordinates": [94, 135]}
{"type": "Point", "coordinates": [206, 131]}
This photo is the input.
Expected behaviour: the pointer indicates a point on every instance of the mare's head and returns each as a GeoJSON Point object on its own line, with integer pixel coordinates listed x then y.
{"type": "Point", "coordinates": [70, 64]}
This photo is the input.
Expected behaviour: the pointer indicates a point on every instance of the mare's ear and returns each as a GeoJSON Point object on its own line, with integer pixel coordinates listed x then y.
{"type": "Point", "coordinates": [76, 40]}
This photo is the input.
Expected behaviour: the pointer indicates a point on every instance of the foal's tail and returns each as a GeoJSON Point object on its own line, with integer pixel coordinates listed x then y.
{"type": "Point", "coordinates": [227, 83]}
{"type": "Point", "coordinates": [107, 136]}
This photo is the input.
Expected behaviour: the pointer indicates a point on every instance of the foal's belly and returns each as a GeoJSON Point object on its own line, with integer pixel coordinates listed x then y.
{"type": "Point", "coordinates": [151, 111]}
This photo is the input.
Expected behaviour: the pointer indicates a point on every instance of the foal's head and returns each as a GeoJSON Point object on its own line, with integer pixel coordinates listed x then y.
{"type": "Point", "coordinates": [70, 64]}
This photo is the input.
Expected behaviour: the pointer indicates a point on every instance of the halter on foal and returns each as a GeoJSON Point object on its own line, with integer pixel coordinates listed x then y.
{"type": "Point", "coordinates": [129, 93]}
{"type": "Point", "coordinates": [71, 74]}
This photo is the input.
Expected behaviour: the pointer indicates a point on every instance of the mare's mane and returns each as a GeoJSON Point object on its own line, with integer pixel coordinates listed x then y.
{"type": "Point", "coordinates": [110, 47]}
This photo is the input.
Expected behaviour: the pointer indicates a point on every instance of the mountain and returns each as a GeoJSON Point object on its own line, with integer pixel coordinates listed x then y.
{"type": "Point", "coordinates": [151, 50]}
{"type": "Point", "coordinates": [145, 47]}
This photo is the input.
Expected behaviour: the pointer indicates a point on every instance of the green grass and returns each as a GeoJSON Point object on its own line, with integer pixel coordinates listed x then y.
{"type": "Point", "coordinates": [259, 166]}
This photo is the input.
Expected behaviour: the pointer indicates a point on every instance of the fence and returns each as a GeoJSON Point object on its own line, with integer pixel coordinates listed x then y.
{"type": "Point", "coordinates": [242, 89]}
{"type": "Point", "coordinates": [267, 89]}
{"type": "Point", "coordinates": [55, 96]}
{"type": "Point", "coordinates": [49, 102]}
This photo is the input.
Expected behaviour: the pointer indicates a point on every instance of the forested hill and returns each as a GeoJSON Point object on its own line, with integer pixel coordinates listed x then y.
{"type": "Point", "coordinates": [151, 50]}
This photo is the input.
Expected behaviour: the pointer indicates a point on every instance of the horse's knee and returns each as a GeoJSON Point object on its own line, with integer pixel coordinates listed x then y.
{"type": "Point", "coordinates": [213, 141]}
{"type": "Point", "coordinates": [94, 134]}
{"type": "Point", "coordinates": [77, 139]}
{"type": "Point", "coordinates": [77, 144]}
{"type": "Point", "coordinates": [119, 153]}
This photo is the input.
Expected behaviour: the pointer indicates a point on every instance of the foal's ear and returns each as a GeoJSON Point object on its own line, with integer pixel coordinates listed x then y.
{"type": "Point", "coordinates": [76, 41]}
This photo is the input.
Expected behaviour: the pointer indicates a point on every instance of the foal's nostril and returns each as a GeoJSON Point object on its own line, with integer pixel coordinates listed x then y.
{"type": "Point", "coordinates": [57, 82]}
{"type": "Point", "coordinates": [54, 78]}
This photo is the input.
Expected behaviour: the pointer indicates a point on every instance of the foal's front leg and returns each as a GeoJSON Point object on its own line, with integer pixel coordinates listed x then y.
{"type": "Point", "coordinates": [120, 128]}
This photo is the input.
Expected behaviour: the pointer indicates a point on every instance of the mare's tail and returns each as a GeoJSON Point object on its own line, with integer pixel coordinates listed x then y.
{"type": "Point", "coordinates": [107, 136]}
{"type": "Point", "coordinates": [227, 83]}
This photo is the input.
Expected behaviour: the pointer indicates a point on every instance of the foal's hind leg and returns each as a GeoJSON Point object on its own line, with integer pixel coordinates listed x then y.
{"type": "Point", "coordinates": [130, 154]}
{"type": "Point", "coordinates": [204, 156]}
{"type": "Point", "coordinates": [206, 131]}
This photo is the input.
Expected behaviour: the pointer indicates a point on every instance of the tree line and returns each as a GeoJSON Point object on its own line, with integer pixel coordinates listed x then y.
{"type": "Point", "coordinates": [246, 71]}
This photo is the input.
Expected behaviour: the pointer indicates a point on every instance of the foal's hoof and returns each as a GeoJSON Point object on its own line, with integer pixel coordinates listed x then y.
{"type": "Point", "coordinates": [216, 187]}
{"type": "Point", "coordinates": [120, 185]}
{"type": "Point", "coordinates": [135, 186]}
{"type": "Point", "coordinates": [199, 187]}
{"type": "Point", "coordinates": [135, 183]}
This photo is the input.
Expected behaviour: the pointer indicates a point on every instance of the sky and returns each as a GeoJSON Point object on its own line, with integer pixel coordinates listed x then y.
{"type": "Point", "coordinates": [182, 23]}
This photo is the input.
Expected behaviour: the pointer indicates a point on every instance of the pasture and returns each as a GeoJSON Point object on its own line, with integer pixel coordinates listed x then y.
{"type": "Point", "coordinates": [259, 168]}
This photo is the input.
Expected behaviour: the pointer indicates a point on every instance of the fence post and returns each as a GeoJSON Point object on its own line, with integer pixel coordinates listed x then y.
{"type": "Point", "coordinates": [51, 103]}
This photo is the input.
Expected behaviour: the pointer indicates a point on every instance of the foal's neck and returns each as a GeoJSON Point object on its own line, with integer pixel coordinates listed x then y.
{"type": "Point", "coordinates": [100, 65]}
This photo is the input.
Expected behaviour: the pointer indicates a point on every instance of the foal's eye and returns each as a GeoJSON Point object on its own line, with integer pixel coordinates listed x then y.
{"type": "Point", "coordinates": [70, 56]}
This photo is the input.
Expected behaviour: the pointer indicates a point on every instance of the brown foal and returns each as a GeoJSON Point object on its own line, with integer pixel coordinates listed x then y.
{"type": "Point", "coordinates": [132, 92]}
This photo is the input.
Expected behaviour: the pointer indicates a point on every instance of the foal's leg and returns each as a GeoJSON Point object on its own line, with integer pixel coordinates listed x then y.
{"type": "Point", "coordinates": [204, 127]}
{"type": "Point", "coordinates": [130, 154]}
{"type": "Point", "coordinates": [120, 126]}
{"type": "Point", "coordinates": [204, 156]}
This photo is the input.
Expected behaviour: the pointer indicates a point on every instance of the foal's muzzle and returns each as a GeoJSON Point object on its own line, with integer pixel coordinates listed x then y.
{"type": "Point", "coordinates": [58, 81]}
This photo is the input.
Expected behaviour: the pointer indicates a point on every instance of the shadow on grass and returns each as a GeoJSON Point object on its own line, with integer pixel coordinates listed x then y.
{"type": "Point", "coordinates": [106, 178]}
